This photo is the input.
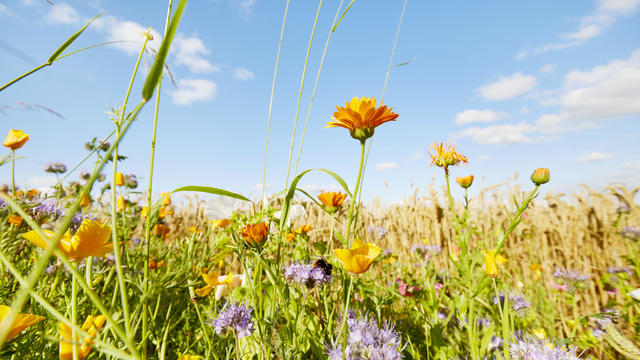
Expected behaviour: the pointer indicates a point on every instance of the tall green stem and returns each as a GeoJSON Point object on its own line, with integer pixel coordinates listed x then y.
{"type": "Point", "coordinates": [355, 193]}
{"type": "Point", "coordinates": [347, 303]}
{"type": "Point", "coordinates": [13, 173]}
{"type": "Point", "coordinates": [74, 316]}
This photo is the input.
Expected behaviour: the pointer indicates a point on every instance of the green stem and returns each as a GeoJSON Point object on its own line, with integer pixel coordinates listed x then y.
{"type": "Point", "coordinates": [347, 303]}
{"type": "Point", "coordinates": [273, 88]}
{"type": "Point", "coordinates": [23, 76]}
{"type": "Point", "coordinates": [74, 317]}
{"type": "Point", "coordinates": [194, 301]}
{"type": "Point", "coordinates": [304, 75]}
{"type": "Point", "coordinates": [517, 217]}
{"type": "Point", "coordinates": [333, 222]}
{"type": "Point", "coordinates": [355, 193]}
{"type": "Point", "coordinates": [13, 173]}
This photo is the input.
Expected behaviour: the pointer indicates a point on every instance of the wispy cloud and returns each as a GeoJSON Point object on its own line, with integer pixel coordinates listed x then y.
{"type": "Point", "coordinates": [479, 116]}
{"type": "Point", "coordinates": [547, 69]}
{"type": "Point", "coordinates": [62, 14]}
{"type": "Point", "coordinates": [194, 90]}
{"type": "Point", "coordinates": [243, 74]}
{"type": "Point", "coordinates": [191, 52]}
{"type": "Point", "coordinates": [595, 156]}
{"type": "Point", "coordinates": [591, 26]}
{"type": "Point", "coordinates": [385, 166]}
{"type": "Point", "coordinates": [507, 87]}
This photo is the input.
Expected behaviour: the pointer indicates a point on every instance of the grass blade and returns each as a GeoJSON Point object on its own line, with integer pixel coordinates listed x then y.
{"type": "Point", "coordinates": [212, 190]}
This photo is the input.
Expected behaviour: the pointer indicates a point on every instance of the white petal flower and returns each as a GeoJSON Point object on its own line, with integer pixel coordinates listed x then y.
{"type": "Point", "coordinates": [221, 207]}
{"type": "Point", "coordinates": [635, 294]}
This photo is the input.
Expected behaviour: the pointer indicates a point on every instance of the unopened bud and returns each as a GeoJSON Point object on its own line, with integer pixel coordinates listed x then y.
{"type": "Point", "coordinates": [465, 181]}
{"type": "Point", "coordinates": [540, 176]}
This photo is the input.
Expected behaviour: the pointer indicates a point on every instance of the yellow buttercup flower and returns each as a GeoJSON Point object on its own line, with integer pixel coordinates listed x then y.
{"type": "Point", "coordinates": [15, 139]}
{"type": "Point", "coordinates": [445, 155]}
{"type": "Point", "coordinates": [122, 204]}
{"type": "Point", "coordinates": [540, 333]}
{"type": "Point", "coordinates": [189, 357]}
{"type": "Point", "coordinates": [119, 179]}
{"type": "Point", "coordinates": [89, 240]}
{"type": "Point", "coordinates": [21, 322]}
{"type": "Point", "coordinates": [213, 279]}
{"type": "Point", "coordinates": [91, 326]}
{"type": "Point", "coordinates": [490, 263]}
{"type": "Point", "coordinates": [361, 117]}
{"type": "Point", "coordinates": [332, 201]}
{"type": "Point", "coordinates": [359, 258]}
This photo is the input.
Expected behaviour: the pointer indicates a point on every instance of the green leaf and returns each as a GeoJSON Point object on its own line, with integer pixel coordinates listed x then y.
{"type": "Point", "coordinates": [158, 65]}
{"type": "Point", "coordinates": [212, 190]}
{"type": "Point", "coordinates": [287, 199]}
{"type": "Point", "coordinates": [338, 179]}
{"type": "Point", "coordinates": [69, 41]}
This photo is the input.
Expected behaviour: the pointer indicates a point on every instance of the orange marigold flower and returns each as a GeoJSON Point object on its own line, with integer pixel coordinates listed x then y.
{"type": "Point", "coordinates": [332, 201]}
{"type": "Point", "coordinates": [445, 155]}
{"type": "Point", "coordinates": [162, 230]}
{"type": "Point", "coordinates": [256, 234]}
{"type": "Point", "coordinates": [14, 220]}
{"type": "Point", "coordinates": [32, 194]}
{"type": "Point", "coordinates": [153, 265]}
{"type": "Point", "coordinates": [465, 181]}
{"type": "Point", "coordinates": [15, 139]}
{"type": "Point", "coordinates": [361, 117]}
{"type": "Point", "coordinates": [540, 176]}
{"type": "Point", "coordinates": [302, 230]}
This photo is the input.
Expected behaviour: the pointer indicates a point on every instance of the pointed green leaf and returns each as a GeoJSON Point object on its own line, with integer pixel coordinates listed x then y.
{"type": "Point", "coordinates": [212, 190]}
{"type": "Point", "coordinates": [69, 41]}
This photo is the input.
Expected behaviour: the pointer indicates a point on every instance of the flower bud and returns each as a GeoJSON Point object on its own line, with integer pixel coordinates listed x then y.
{"type": "Point", "coordinates": [122, 204]}
{"type": "Point", "coordinates": [119, 179]}
{"type": "Point", "coordinates": [490, 263]}
{"type": "Point", "coordinates": [540, 176]}
{"type": "Point", "coordinates": [465, 182]}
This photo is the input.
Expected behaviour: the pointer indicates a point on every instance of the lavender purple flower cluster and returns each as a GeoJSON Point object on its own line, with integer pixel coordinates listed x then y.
{"type": "Point", "coordinates": [535, 349]}
{"type": "Point", "coordinates": [426, 249]}
{"type": "Point", "coordinates": [234, 317]}
{"type": "Point", "coordinates": [631, 232]}
{"type": "Point", "coordinates": [368, 341]}
{"type": "Point", "coordinates": [55, 168]}
{"type": "Point", "coordinates": [569, 279]}
{"type": "Point", "coordinates": [518, 302]}
{"type": "Point", "coordinates": [306, 274]}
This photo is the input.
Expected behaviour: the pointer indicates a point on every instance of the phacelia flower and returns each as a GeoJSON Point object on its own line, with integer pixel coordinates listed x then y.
{"type": "Point", "coordinates": [256, 234]}
{"type": "Point", "coordinates": [445, 155]}
{"type": "Point", "coordinates": [361, 117]}
{"type": "Point", "coordinates": [20, 323]}
{"type": "Point", "coordinates": [366, 340]}
{"type": "Point", "coordinates": [332, 201]}
{"type": "Point", "coordinates": [631, 232]}
{"type": "Point", "coordinates": [535, 349]}
{"type": "Point", "coordinates": [55, 168]}
{"type": "Point", "coordinates": [518, 302]}
{"type": "Point", "coordinates": [15, 139]}
{"type": "Point", "coordinates": [307, 274]}
{"type": "Point", "coordinates": [569, 279]}
{"type": "Point", "coordinates": [359, 258]}
{"type": "Point", "coordinates": [234, 317]}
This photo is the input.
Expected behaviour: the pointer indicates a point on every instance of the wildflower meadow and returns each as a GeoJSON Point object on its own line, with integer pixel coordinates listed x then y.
{"type": "Point", "coordinates": [105, 265]}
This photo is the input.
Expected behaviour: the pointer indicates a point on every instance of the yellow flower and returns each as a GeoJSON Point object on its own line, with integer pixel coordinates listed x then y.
{"type": "Point", "coordinates": [166, 201]}
{"type": "Point", "coordinates": [213, 279]}
{"type": "Point", "coordinates": [490, 263]}
{"type": "Point", "coordinates": [537, 269]}
{"type": "Point", "coordinates": [122, 204]}
{"type": "Point", "coordinates": [465, 182]}
{"type": "Point", "coordinates": [119, 179]}
{"type": "Point", "coordinates": [219, 224]}
{"type": "Point", "coordinates": [89, 240]}
{"type": "Point", "coordinates": [144, 212]}
{"type": "Point", "coordinates": [14, 220]}
{"type": "Point", "coordinates": [501, 259]}
{"type": "Point", "coordinates": [540, 176]}
{"type": "Point", "coordinates": [445, 155]}
{"type": "Point", "coordinates": [359, 258]}
{"type": "Point", "coordinates": [332, 201]}
{"type": "Point", "coordinates": [540, 333]}
{"type": "Point", "coordinates": [195, 229]}
{"type": "Point", "coordinates": [256, 234]}
{"type": "Point", "coordinates": [15, 139]}
{"type": "Point", "coordinates": [91, 326]}
{"type": "Point", "coordinates": [21, 322]}
{"type": "Point", "coordinates": [86, 200]}
{"type": "Point", "coordinates": [304, 229]}
{"type": "Point", "coordinates": [164, 212]}
{"type": "Point", "coordinates": [189, 357]}
{"type": "Point", "coordinates": [361, 117]}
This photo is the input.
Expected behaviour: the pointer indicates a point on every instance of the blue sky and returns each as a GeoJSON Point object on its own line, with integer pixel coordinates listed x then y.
{"type": "Point", "coordinates": [516, 86]}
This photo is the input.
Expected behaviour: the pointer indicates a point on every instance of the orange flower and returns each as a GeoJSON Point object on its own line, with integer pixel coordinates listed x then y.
{"type": "Point", "coordinates": [153, 265]}
{"type": "Point", "coordinates": [465, 182]}
{"type": "Point", "coordinates": [537, 269]}
{"type": "Point", "coordinates": [540, 176]}
{"type": "Point", "coordinates": [162, 230]}
{"type": "Point", "coordinates": [361, 117]}
{"type": "Point", "coordinates": [119, 179]}
{"type": "Point", "coordinates": [302, 230]}
{"type": "Point", "coordinates": [15, 139]}
{"type": "Point", "coordinates": [14, 220]}
{"type": "Point", "coordinates": [332, 201]}
{"type": "Point", "coordinates": [32, 194]}
{"type": "Point", "coordinates": [21, 322]}
{"type": "Point", "coordinates": [445, 155]}
{"type": "Point", "coordinates": [359, 258]}
{"type": "Point", "coordinates": [86, 201]}
{"type": "Point", "coordinates": [91, 326]}
{"type": "Point", "coordinates": [219, 224]}
{"type": "Point", "coordinates": [256, 234]}
{"type": "Point", "coordinates": [195, 229]}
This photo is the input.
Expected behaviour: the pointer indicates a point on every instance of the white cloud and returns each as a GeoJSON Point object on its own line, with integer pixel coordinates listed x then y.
{"type": "Point", "coordinates": [524, 110]}
{"type": "Point", "coordinates": [41, 183]}
{"type": "Point", "coordinates": [245, 7]}
{"type": "Point", "coordinates": [547, 69]}
{"type": "Point", "coordinates": [62, 14]}
{"type": "Point", "coordinates": [499, 134]}
{"type": "Point", "coordinates": [593, 25]}
{"type": "Point", "coordinates": [479, 116]}
{"type": "Point", "coordinates": [5, 11]}
{"type": "Point", "coordinates": [508, 86]}
{"type": "Point", "coordinates": [594, 157]}
{"type": "Point", "coordinates": [243, 74]}
{"type": "Point", "coordinates": [192, 90]}
{"type": "Point", "coordinates": [129, 32]}
{"type": "Point", "coordinates": [634, 165]}
{"type": "Point", "coordinates": [190, 51]}
{"type": "Point", "coordinates": [385, 166]}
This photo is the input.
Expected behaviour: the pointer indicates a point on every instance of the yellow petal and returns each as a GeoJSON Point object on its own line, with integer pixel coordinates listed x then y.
{"type": "Point", "coordinates": [211, 278]}
{"type": "Point", "coordinates": [202, 292]}
{"type": "Point", "coordinates": [21, 322]}
{"type": "Point", "coordinates": [90, 240]}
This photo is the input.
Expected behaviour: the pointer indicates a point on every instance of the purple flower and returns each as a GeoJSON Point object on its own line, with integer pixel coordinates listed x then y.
{"type": "Point", "coordinates": [366, 340]}
{"type": "Point", "coordinates": [631, 232]}
{"type": "Point", "coordinates": [234, 317]}
{"type": "Point", "coordinates": [307, 275]}
{"type": "Point", "coordinates": [495, 344]}
{"type": "Point", "coordinates": [569, 279]}
{"type": "Point", "coordinates": [535, 349]}
{"type": "Point", "coordinates": [518, 302]}
{"type": "Point", "coordinates": [47, 207]}
{"type": "Point", "coordinates": [55, 168]}
{"type": "Point", "coordinates": [617, 270]}
{"type": "Point", "coordinates": [426, 249]}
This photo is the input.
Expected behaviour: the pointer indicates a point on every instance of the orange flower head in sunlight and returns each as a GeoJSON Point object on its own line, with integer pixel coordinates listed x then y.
{"type": "Point", "coordinates": [15, 139]}
{"type": "Point", "coordinates": [256, 234]}
{"type": "Point", "coordinates": [162, 230]}
{"type": "Point", "coordinates": [302, 231]}
{"type": "Point", "coordinates": [90, 240]}
{"type": "Point", "coordinates": [445, 155]}
{"type": "Point", "coordinates": [14, 220]}
{"type": "Point", "coordinates": [465, 182]}
{"type": "Point", "coordinates": [359, 258]}
{"type": "Point", "coordinates": [91, 326]}
{"type": "Point", "coordinates": [332, 201]}
{"type": "Point", "coordinates": [21, 322]}
{"type": "Point", "coordinates": [361, 116]}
